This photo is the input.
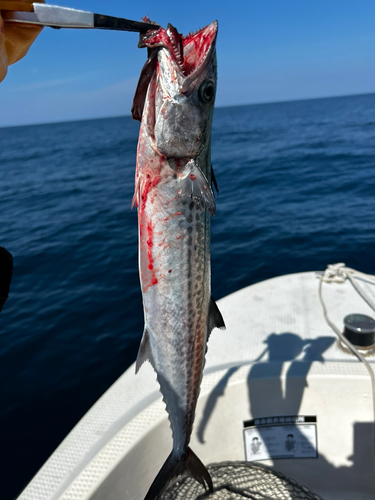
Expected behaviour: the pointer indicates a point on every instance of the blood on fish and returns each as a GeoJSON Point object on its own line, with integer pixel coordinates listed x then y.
{"type": "Point", "coordinates": [144, 195]}
{"type": "Point", "coordinates": [179, 165]}
{"type": "Point", "coordinates": [173, 215]}
{"type": "Point", "coordinates": [150, 244]}
{"type": "Point", "coordinates": [156, 181]}
{"type": "Point", "coordinates": [149, 185]}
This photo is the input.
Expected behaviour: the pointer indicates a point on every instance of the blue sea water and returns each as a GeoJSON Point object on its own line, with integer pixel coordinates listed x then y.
{"type": "Point", "coordinates": [297, 184]}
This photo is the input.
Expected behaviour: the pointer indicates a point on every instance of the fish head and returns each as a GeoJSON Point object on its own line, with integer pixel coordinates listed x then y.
{"type": "Point", "coordinates": [181, 94]}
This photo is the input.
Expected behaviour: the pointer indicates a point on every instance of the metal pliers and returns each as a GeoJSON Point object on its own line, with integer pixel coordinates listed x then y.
{"type": "Point", "coordinates": [64, 17]}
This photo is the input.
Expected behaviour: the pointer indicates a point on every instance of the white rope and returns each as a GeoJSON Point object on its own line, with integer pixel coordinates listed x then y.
{"type": "Point", "coordinates": [334, 273]}
{"type": "Point", "coordinates": [350, 273]}
{"type": "Point", "coordinates": [337, 273]}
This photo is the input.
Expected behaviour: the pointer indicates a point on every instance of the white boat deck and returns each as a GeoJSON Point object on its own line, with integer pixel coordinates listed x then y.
{"type": "Point", "coordinates": [276, 357]}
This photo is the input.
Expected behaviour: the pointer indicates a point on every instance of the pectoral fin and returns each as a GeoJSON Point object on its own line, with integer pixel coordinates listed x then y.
{"type": "Point", "coordinates": [195, 185]}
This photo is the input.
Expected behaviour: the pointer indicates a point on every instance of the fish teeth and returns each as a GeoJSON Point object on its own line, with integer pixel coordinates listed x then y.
{"type": "Point", "coordinates": [192, 33]}
{"type": "Point", "coordinates": [177, 53]}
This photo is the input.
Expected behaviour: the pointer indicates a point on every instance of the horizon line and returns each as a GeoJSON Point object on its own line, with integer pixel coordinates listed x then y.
{"type": "Point", "coordinates": [263, 103]}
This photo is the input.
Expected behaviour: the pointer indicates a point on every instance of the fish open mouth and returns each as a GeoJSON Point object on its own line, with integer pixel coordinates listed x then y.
{"type": "Point", "coordinates": [189, 52]}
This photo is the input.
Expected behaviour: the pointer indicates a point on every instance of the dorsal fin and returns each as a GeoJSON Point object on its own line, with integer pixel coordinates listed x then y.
{"type": "Point", "coordinates": [215, 319]}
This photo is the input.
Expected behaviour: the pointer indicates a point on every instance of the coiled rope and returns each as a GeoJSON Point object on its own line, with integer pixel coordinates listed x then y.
{"type": "Point", "coordinates": [338, 273]}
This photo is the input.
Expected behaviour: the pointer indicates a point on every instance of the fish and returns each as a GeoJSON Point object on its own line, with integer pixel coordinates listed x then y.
{"type": "Point", "coordinates": [174, 101]}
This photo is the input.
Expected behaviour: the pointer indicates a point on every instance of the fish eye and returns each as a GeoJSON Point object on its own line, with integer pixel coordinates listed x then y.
{"type": "Point", "coordinates": [206, 91]}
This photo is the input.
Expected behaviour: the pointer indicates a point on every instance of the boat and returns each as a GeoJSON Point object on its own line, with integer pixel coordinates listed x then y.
{"type": "Point", "coordinates": [281, 396]}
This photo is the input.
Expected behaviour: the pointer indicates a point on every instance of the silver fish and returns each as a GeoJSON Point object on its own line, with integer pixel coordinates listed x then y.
{"type": "Point", "coordinates": [175, 101]}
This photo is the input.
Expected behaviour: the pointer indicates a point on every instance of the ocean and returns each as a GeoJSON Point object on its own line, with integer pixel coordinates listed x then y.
{"type": "Point", "coordinates": [296, 192]}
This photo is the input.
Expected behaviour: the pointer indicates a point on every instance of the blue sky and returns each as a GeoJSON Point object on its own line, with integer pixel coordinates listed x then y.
{"type": "Point", "coordinates": [268, 50]}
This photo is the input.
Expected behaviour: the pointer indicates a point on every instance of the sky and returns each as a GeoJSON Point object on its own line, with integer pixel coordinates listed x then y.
{"type": "Point", "coordinates": [268, 51]}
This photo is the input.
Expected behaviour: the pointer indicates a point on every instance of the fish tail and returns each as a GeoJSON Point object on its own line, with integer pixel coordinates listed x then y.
{"type": "Point", "coordinates": [198, 471]}
{"type": "Point", "coordinates": [173, 467]}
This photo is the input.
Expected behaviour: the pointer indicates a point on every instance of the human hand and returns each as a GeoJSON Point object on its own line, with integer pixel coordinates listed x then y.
{"type": "Point", "coordinates": [15, 38]}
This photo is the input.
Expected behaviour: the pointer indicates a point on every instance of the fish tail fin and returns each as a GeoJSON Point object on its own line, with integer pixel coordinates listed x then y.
{"type": "Point", "coordinates": [173, 467]}
{"type": "Point", "coordinates": [198, 471]}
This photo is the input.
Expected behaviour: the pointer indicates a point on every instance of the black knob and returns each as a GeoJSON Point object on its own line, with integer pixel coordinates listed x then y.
{"type": "Point", "coordinates": [359, 329]}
